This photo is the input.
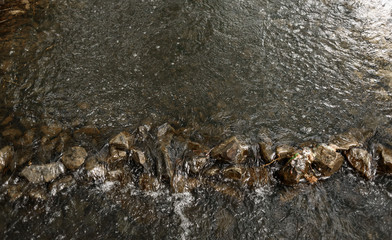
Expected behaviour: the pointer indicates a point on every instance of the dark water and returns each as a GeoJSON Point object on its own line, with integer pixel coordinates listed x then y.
{"type": "Point", "coordinates": [293, 70]}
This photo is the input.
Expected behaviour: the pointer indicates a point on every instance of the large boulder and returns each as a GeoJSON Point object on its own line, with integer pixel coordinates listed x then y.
{"type": "Point", "coordinates": [326, 160]}
{"type": "Point", "coordinates": [231, 150]}
{"type": "Point", "coordinates": [74, 157]}
{"type": "Point", "coordinates": [6, 156]}
{"type": "Point", "coordinates": [361, 160]}
{"type": "Point", "coordinates": [43, 173]}
{"type": "Point", "coordinates": [385, 164]}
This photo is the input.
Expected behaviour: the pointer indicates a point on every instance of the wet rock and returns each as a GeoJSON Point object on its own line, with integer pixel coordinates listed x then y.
{"type": "Point", "coordinates": [247, 176]}
{"type": "Point", "coordinates": [116, 155]}
{"type": "Point", "coordinates": [16, 191]}
{"type": "Point", "coordinates": [7, 120]}
{"type": "Point", "coordinates": [27, 138]}
{"type": "Point", "coordinates": [232, 150]}
{"type": "Point", "coordinates": [61, 184]}
{"type": "Point", "coordinates": [51, 130]}
{"type": "Point", "coordinates": [266, 150]}
{"type": "Point", "coordinates": [148, 183]}
{"type": "Point", "coordinates": [212, 171]}
{"type": "Point", "coordinates": [196, 164]}
{"type": "Point", "coordinates": [43, 173]}
{"type": "Point", "coordinates": [115, 175]}
{"type": "Point", "coordinates": [88, 130]}
{"type": "Point", "coordinates": [140, 158]}
{"type": "Point", "coordinates": [361, 160]}
{"type": "Point", "coordinates": [63, 140]}
{"type": "Point", "coordinates": [385, 164]}
{"type": "Point", "coordinates": [233, 172]}
{"type": "Point", "coordinates": [165, 131]}
{"type": "Point", "coordinates": [182, 183]}
{"type": "Point", "coordinates": [6, 156]}
{"type": "Point", "coordinates": [122, 141]}
{"type": "Point", "coordinates": [38, 193]}
{"type": "Point", "coordinates": [12, 134]}
{"type": "Point", "coordinates": [285, 151]}
{"type": "Point", "coordinates": [344, 141]}
{"type": "Point", "coordinates": [21, 157]}
{"type": "Point", "coordinates": [296, 168]}
{"type": "Point", "coordinates": [227, 189]}
{"type": "Point", "coordinates": [47, 148]}
{"type": "Point", "coordinates": [74, 157]}
{"type": "Point", "coordinates": [326, 160]}
{"type": "Point", "coordinates": [96, 172]}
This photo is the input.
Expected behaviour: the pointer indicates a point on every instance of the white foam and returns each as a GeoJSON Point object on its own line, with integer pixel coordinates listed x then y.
{"type": "Point", "coordinates": [183, 200]}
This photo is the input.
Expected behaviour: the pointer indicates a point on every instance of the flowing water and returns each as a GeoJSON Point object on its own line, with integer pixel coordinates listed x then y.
{"type": "Point", "coordinates": [291, 70]}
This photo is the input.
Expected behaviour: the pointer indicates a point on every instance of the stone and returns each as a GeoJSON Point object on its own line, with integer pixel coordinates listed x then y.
{"type": "Point", "coordinates": [326, 160]}
{"type": "Point", "coordinates": [196, 164]}
{"type": "Point", "coordinates": [38, 193]}
{"type": "Point", "coordinates": [7, 120]}
{"type": "Point", "coordinates": [88, 130]}
{"type": "Point", "coordinates": [140, 158]}
{"type": "Point", "coordinates": [6, 156]}
{"type": "Point", "coordinates": [74, 157]}
{"type": "Point", "coordinates": [285, 151]}
{"type": "Point", "coordinates": [16, 191]}
{"type": "Point", "coordinates": [63, 139]}
{"type": "Point", "coordinates": [232, 151]}
{"type": "Point", "coordinates": [27, 138]}
{"type": "Point", "coordinates": [12, 133]}
{"type": "Point", "coordinates": [247, 176]}
{"type": "Point", "coordinates": [361, 160]}
{"type": "Point", "coordinates": [116, 155]}
{"type": "Point", "coordinates": [51, 130]}
{"type": "Point", "coordinates": [43, 173]}
{"type": "Point", "coordinates": [385, 164]}
{"type": "Point", "coordinates": [115, 175]}
{"type": "Point", "coordinates": [148, 183]}
{"type": "Point", "coordinates": [266, 150]}
{"type": "Point", "coordinates": [183, 183]}
{"type": "Point", "coordinates": [122, 141]}
{"type": "Point", "coordinates": [61, 184]}
{"type": "Point", "coordinates": [296, 167]}
{"type": "Point", "coordinates": [227, 189]}
{"type": "Point", "coordinates": [344, 141]}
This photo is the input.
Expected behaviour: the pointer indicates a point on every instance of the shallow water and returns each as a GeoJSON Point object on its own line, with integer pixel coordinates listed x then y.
{"type": "Point", "coordinates": [291, 70]}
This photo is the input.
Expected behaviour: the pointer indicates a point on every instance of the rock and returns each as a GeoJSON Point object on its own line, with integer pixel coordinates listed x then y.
{"type": "Point", "coordinates": [196, 164]}
{"type": "Point", "coordinates": [115, 175]}
{"type": "Point", "coordinates": [183, 184]}
{"type": "Point", "coordinates": [326, 160]}
{"type": "Point", "coordinates": [88, 130]}
{"type": "Point", "coordinates": [297, 166]}
{"type": "Point", "coordinates": [285, 151]}
{"type": "Point", "coordinates": [386, 159]}
{"type": "Point", "coordinates": [47, 148]}
{"type": "Point", "coordinates": [52, 130]}
{"type": "Point", "coordinates": [116, 155]}
{"type": "Point", "coordinates": [74, 157]}
{"type": "Point", "coordinates": [61, 184]}
{"type": "Point", "coordinates": [12, 133]}
{"type": "Point", "coordinates": [6, 156]}
{"type": "Point", "coordinates": [63, 139]}
{"type": "Point", "coordinates": [247, 176]}
{"type": "Point", "coordinates": [165, 130]}
{"type": "Point", "coordinates": [7, 120]}
{"type": "Point", "coordinates": [148, 183]}
{"type": "Point", "coordinates": [344, 141]}
{"type": "Point", "coordinates": [140, 158]}
{"type": "Point", "coordinates": [266, 150]}
{"type": "Point", "coordinates": [232, 150]}
{"type": "Point", "coordinates": [122, 141]}
{"type": "Point", "coordinates": [43, 173]}
{"type": "Point", "coordinates": [16, 191]}
{"type": "Point", "coordinates": [95, 170]}
{"type": "Point", "coordinates": [227, 189]}
{"type": "Point", "coordinates": [27, 138]}
{"type": "Point", "coordinates": [21, 157]}
{"type": "Point", "coordinates": [233, 172]}
{"type": "Point", "coordinates": [361, 160]}
{"type": "Point", "coordinates": [38, 193]}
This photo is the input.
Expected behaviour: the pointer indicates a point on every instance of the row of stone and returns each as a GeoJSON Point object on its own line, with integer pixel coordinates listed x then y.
{"type": "Point", "coordinates": [185, 165]}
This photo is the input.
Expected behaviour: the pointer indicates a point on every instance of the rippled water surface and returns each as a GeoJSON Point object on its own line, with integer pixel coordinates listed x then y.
{"type": "Point", "coordinates": [292, 70]}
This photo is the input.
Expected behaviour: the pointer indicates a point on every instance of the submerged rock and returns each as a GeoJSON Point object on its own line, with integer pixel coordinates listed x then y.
{"type": "Point", "coordinates": [6, 156]}
{"type": "Point", "coordinates": [12, 134]}
{"type": "Point", "coordinates": [148, 183]}
{"type": "Point", "coordinates": [38, 193]}
{"type": "Point", "coordinates": [74, 157]}
{"type": "Point", "coordinates": [51, 131]}
{"type": "Point", "coordinates": [326, 160]}
{"type": "Point", "coordinates": [43, 173]}
{"type": "Point", "coordinates": [285, 151]}
{"type": "Point", "coordinates": [361, 160]}
{"type": "Point", "coordinates": [344, 141]}
{"type": "Point", "coordinates": [27, 138]}
{"type": "Point", "coordinates": [386, 159]}
{"type": "Point", "coordinates": [122, 141]}
{"type": "Point", "coordinates": [296, 167]}
{"type": "Point", "coordinates": [61, 184]}
{"type": "Point", "coordinates": [232, 150]}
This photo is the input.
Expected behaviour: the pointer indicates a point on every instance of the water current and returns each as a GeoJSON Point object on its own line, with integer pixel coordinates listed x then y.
{"type": "Point", "coordinates": [292, 70]}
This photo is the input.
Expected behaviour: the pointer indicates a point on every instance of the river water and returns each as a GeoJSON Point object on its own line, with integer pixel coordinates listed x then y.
{"type": "Point", "coordinates": [291, 70]}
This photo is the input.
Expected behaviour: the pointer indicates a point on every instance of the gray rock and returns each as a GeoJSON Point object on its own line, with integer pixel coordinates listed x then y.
{"type": "Point", "coordinates": [43, 173]}
{"type": "Point", "coordinates": [386, 159]}
{"type": "Point", "coordinates": [74, 157]}
{"type": "Point", "coordinates": [232, 150]}
{"type": "Point", "coordinates": [326, 160]}
{"type": "Point", "coordinates": [266, 150]}
{"type": "Point", "coordinates": [361, 160]}
{"type": "Point", "coordinates": [6, 156]}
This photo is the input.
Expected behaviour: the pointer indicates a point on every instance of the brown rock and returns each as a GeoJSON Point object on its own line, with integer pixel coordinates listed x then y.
{"type": "Point", "coordinates": [16, 191]}
{"type": "Point", "coordinates": [326, 160]}
{"type": "Point", "coordinates": [285, 151]}
{"type": "Point", "coordinates": [266, 150]}
{"type": "Point", "coordinates": [52, 130]}
{"type": "Point", "coordinates": [196, 164]}
{"type": "Point", "coordinates": [140, 158]}
{"type": "Point", "coordinates": [361, 160]}
{"type": "Point", "coordinates": [27, 138]}
{"type": "Point", "coordinates": [12, 133]}
{"type": "Point", "coordinates": [296, 168]}
{"type": "Point", "coordinates": [344, 141]}
{"type": "Point", "coordinates": [148, 183]}
{"type": "Point", "coordinates": [6, 156]}
{"type": "Point", "coordinates": [122, 141]}
{"type": "Point", "coordinates": [74, 157]}
{"type": "Point", "coordinates": [43, 173]}
{"type": "Point", "coordinates": [88, 130]}
{"type": "Point", "coordinates": [386, 159]}
{"type": "Point", "coordinates": [183, 184]}
{"type": "Point", "coordinates": [38, 193]}
{"type": "Point", "coordinates": [7, 120]}
{"type": "Point", "coordinates": [232, 150]}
